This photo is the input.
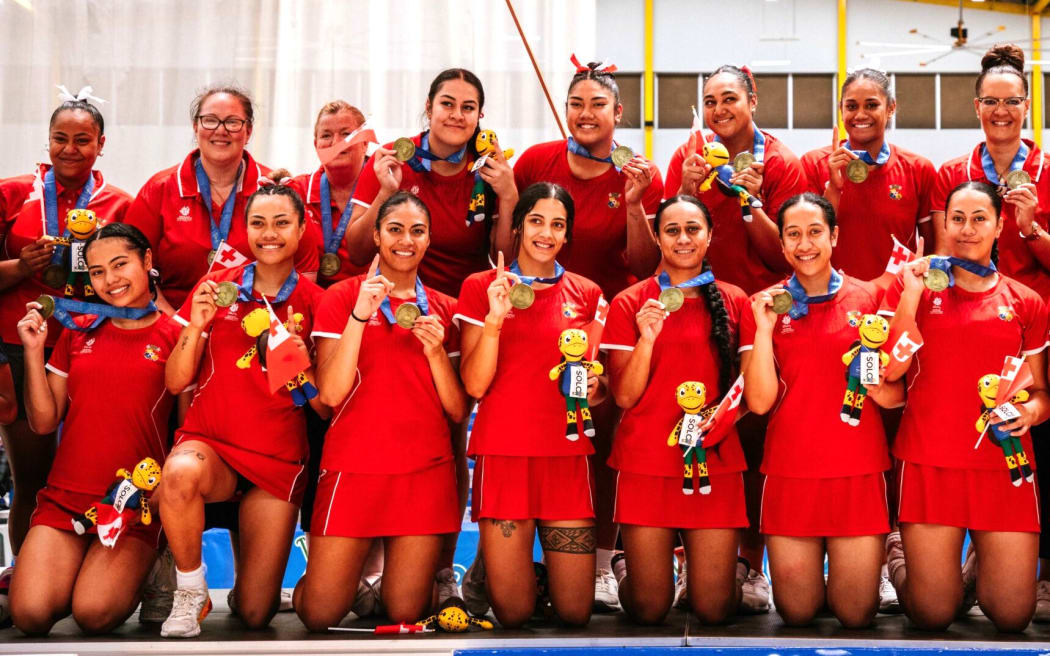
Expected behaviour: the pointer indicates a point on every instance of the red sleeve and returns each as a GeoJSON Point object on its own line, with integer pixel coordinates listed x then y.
{"type": "Point", "coordinates": [473, 302]}
{"type": "Point", "coordinates": [654, 193]}
{"type": "Point", "coordinates": [452, 340]}
{"type": "Point", "coordinates": [811, 168]}
{"type": "Point", "coordinates": [673, 181]}
{"type": "Point", "coordinates": [785, 179]}
{"type": "Point", "coordinates": [367, 185]}
{"type": "Point", "coordinates": [1034, 337]}
{"type": "Point", "coordinates": [59, 362]}
{"type": "Point", "coordinates": [621, 330]}
{"type": "Point", "coordinates": [333, 311]}
{"type": "Point", "coordinates": [307, 259]}
{"type": "Point", "coordinates": [523, 175]}
{"type": "Point", "coordinates": [925, 179]}
{"type": "Point", "coordinates": [942, 186]}
{"type": "Point", "coordinates": [118, 207]}
{"type": "Point", "coordinates": [144, 212]}
{"type": "Point", "coordinates": [892, 297]}
{"type": "Point", "coordinates": [747, 327]}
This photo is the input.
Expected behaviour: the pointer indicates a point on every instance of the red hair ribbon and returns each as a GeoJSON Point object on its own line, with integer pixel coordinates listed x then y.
{"type": "Point", "coordinates": [750, 76]}
{"type": "Point", "coordinates": [600, 68]}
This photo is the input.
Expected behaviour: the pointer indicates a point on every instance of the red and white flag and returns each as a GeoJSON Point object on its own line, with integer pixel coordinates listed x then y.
{"type": "Point", "coordinates": [899, 256]}
{"type": "Point", "coordinates": [904, 340]}
{"type": "Point", "coordinates": [1016, 376]}
{"type": "Point", "coordinates": [111, 523]}
{"type": "Point", "coordinates": [284, 360]}
{"type": "Point", "coordinates": [725, 414]}
{"type": "Point", "coordinates": [227, 257]}
{"type": "Point", "coordinates": [596, 327]}
{"type": "Point", "coordinates": [364, 134]}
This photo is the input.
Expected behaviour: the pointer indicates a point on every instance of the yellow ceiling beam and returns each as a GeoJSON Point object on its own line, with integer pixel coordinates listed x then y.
{"type": "Point", "coordinates": [991, 5]}
{"type": "Point", "coordinates": [1038, 7]}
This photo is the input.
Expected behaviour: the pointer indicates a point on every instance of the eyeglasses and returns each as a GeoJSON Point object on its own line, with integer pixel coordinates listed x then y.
{"type": "Point", "coordinates": [990, 102]}
{"type": "Point", "coordinates": [211, 122]}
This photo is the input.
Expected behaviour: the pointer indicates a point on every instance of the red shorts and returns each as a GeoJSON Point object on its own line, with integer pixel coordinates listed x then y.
{"type": "Point", "coordinates": [57, 508]}
{"type": "Point", "coordinates": [379, 505]}
{"type": "Point", "coordinates": [644, 500]}
{"type": "Point", "coordinates": [522, 487]}
{"type": "Point", "coordinates": [981, 500]}
{"type": "Point", "coordinates": [284, 480]}
{"type": "Point", "coordinates": [825, 507]}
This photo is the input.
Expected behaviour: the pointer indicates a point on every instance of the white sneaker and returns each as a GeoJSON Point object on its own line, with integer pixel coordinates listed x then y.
{"type": "Point", "coordinates": [159, 592]}
{"type": "Point", "coordinates": [895, 566]}
{"type": "Point", "coordinates": [446, 585]}
{"type": "Point", "coordinates": [474, 594]}
{"type": "Point", "coordinates": [888, 602]}
{"type": "Point", "coordinates": [188, 609]}
{"type": "Point", "coordinates": [285, 603]}
{"type": "Point", "coordinates": [681, 590]}
{"type": "Point", "coordinates": [366, 601]}
{"type": "Point", "coordinates": [969, 580]}
{"type": "Point", "coordinates": [1042, 602]}
{"type": "Point", "coordinates": [606, 592]}
{"type": "Point", "coordinates": [755, 589]}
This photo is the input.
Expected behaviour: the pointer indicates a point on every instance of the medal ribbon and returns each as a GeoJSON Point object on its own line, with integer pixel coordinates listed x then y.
{"type": "Point", "coordinates": [758, 148]}
{"type": "Point", "coordinates": [63, 307]}
{"type": "Point", "coordinates": [559, 271]}
{"type": "Point", "coordinates": [332, 238]}
{"type": "Point", "coordinates": [989, 166]}
{"type": "Point", "coordinates": [945, 264]}
{"type": "Point", "coordinates": [221, 232]}
{"type": "Point", "coordinates": [705, 278]}
{"type": "Point", "coordinates": [244, 290]}
{"type": "Point", "coordinates": [800, 306]}
{"type": "Point", "coordinates": [421, 301]}
{"type": "Point", "coordinates": [51, 209]}
{"type": "Point", "coordinates": [865, 156]}
{"type": "Point", "coordinates": [577, 149]}
{"type": "Point", "coordinates": [421, 161]}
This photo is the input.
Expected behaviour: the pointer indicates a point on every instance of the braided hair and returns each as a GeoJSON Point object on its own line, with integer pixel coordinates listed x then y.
{"type": "Point", "coordinates": [277, 188]}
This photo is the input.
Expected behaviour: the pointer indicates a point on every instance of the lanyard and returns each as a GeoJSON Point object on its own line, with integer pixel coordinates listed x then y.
{"type": "Point", "coordinates": [945, 264]}
{"type": "Point", "coordinates": [63, 306]}
{"type": "Point", "coordinates": [577, 149]}
{"type": "Point", "coordinates": [705, 278]}
{"type": "Point", "coordinates": [51, 209]}
{"type": "Point", "coordinates": [758, 148]}
{"type": "Point", "coordinates": [421, 161]}
{"type": "Point", "coordinates": [865, 156]}
{"type": "Point", "coordinates": [332, 238]}
{"type": "Point", "coordinates": [421, 301]}
{"type": "Point", "coordinates": [221, 232]}
{"type": "Point", "coordinates": [989, 166]}
{"type": "Point", "coordinates": [800, 306]}
{"type": "Point", "coordinates": [248, 281]}
{"type": "Point", "coordinates": [559, 271]}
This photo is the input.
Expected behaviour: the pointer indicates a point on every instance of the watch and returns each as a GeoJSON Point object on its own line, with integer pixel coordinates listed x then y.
{"type": "Point", "coordinates": [1036, 233]}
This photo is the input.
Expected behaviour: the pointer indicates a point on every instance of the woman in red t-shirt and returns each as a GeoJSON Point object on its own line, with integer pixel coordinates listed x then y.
{"type": "Point", "coordinates": [28, 226]}
{"type": "Point", "coordinates": [654, 352]}
{"type": "Point", "coordinates": [58, 570]}
{"type": "Point", "coordinates": [240, 440]}
{"type": "Point", "coordinates": [395, 480]}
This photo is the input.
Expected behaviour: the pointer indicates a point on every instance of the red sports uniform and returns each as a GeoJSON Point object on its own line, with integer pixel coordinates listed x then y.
{"type": "Point", "coordinates": [526, 467]}
{"type": "Point", "coordinates": [100, 438]}
{"type": "Point", "coordinates": [892, 202]}
{"type": "Point", "coordinates": [598, 250]}
{"type": "Point", "coordinates": [456, 250]}
{"type": "Point", "coordinates": [308, 186]}
{"type": "Point", "coordinates": [262, 436]}
{"type": "Point", "coordinates": [1015, 257]}
{"type": "Point", "coordinates": [733, 258]}
{"type": "Point", "coordinates": [824, 478]}
{"type": "Point", "coordinates": [22, 222]}
{"type": "Point", "coordinates": [649, 472]}
{"type": "Point", "coordinates": [172, 214]}
{"type": "Point", "coordinates": [390, 438]}
{"type": "Point", "coordinates": [967, 335]}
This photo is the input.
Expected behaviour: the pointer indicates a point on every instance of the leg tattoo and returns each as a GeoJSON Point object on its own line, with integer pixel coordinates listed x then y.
{"type": "Point", "coordinates": [568, 539]}
{"type": "Point", "coordinates": [506, 526]}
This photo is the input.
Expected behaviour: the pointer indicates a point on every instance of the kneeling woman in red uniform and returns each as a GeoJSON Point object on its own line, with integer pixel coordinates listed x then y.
{"type": "Point", "coordinates": [58, 570]}
{"type": "Point", "coordinates": [950, 480]}
{"type": "Point", "coordinates": [239, 441]}
{"type": "Point", "coordinates": [659, 356]}
{"type": "Point", "coordinates": [531, 468]}
{"type": "Point", "coordinates": [387, 471]}
{"type": "Point", "coordinates": [824, 458]}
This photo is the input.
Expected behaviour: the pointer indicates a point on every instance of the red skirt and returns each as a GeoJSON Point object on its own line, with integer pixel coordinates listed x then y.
{"type": "Point", "coordinates": [522, 487]}
{"type": "Point", "coordinates": [351, 505]}
{"type": "Point", "coordinates": [57, 508]}
{"type": "Point", "coordinates": [644, 500]}
{"type": "Point", "coordinates": [825, 507]}
{"type": "Point", "coordinates": [980, 500]}
{"type": "Point", "coordinates": [284, 480]}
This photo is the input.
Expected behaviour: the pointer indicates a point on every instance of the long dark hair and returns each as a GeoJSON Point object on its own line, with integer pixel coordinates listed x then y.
{"type": "Point", "coordinates": [398, 199]}
{"type": "Point", "coordinates": [537, 192]}
{"type": "Point", "coordinates": [136, 241]}
{"type": "Point", "coordinates": [992, 194]}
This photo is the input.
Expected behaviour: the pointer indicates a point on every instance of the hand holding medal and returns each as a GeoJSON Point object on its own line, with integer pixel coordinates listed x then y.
{"type": "Point", "coordinates": [768, 305]}
{"type": "Point", "coordinates": [749, 177]}
{"type": "Point", "coordinates": [650, 319]}
{"type": "Point", "coordinates": [429, 330]}
{"type": "Point", "coordinates": [204, 305]}
{"type": "Point", "coordinates": [914, 273]}
{"type": "Point", "coordinates": [694, 169]}
{"type": "Point", "coordinates": [638, 177]}
{"type": "Point", "coordinates": [374, 288]}
{"type": "Point", "coordinates": [1022, 194]}
{"type": "Point", "coordinates": [32, 328]}
{"type": "Point", "coordinates": [499, 291]}
{"type": "Point", "coordinates": [839, 158]}
{"type": "Point", "coordinates": [387, 166]}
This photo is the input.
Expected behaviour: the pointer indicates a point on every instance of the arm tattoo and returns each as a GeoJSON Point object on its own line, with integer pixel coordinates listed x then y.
{"type": "Point", "coordinates": [200, 456]}
{"type": "Point", "coordinates": [568, 539]}
{"type": "Point", "coordinates": [506, 526]}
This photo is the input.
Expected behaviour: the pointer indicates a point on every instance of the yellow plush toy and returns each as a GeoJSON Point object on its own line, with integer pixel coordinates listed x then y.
{"type": "Point", "coordinates": [124, 505]}
{"type": "Point", "coordinates": [691, 397]}
{"type": "Point", "coordinates": [1013, 451]}
{"type": "Point", "coordinates": [484, 144]}
{"type": "Point", "coordinates": [257, 324]}
{"type": "Point", "coordinates": [874, 330]}
{"type": "Point", "coordinates": [572, 372]}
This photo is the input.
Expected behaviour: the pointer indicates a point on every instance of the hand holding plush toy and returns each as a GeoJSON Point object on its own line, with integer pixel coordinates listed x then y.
{"type": "Point", "coordinates": [716, 155]}
{"type": "Point", "coordinates": [486, 146]}
{"type": "Point", "coordinates": [124, 505]}
{"type": "Point", "coordinates": [572, 372]}
{"type": "Point", "coordinates": [257, 324]}
{"type": "Point", "coordinates": [687, 434]}
{"type": "Point", "coordinates": [874, 330]}
{"type": "Point", "coordinates": [1013, 451]}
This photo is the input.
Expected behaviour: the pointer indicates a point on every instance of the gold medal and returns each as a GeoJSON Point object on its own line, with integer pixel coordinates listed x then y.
{"type": "Point", "coordinates": [742, 161]}
{"type": "Point", "coordinates": [936, 280]}
{"type": "Point", "coordinates": [48, 306]}
{"type": "Point", "coordinates": [54, 276]}
{"type": "Point", "coordinates": [857, 170]}
{"type": "Point", "coordinates": [673, 298]}
{"type": "Point", "coordinates": [330, 265]}
{"type": "Point", "coordinates": [522, 296]}
{"type": "Point", "coordinates": [621, 156]}
{"type": "Point", "coordinates": [782, 302]}
{"type": "Point", "coordinates": [226, 294]}
{"type": "Point", "coordinates": [404, 149]}
{"type": "Point", "coordinates": [406, 315]}
{"type": "Point", "coordinates": [1015, 179]}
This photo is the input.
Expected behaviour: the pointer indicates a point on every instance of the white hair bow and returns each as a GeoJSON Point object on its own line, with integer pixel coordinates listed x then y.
{"type": "Point", "coordinates": [84, 94]}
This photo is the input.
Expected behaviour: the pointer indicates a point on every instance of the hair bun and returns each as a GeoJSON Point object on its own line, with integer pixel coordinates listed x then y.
{"type": "Point", "coordinates": [1003, 54]}
{"type": "Point", "coordinates": [279, 176]}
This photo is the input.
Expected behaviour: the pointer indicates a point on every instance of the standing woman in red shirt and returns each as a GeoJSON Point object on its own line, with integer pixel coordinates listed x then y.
{"type": "Point", "coordinates": [532, 474]}
{"type": "Point", "coordinates": [187, 210]}
{"type": "Point", "coordinates": [239, 441]}
{"type": "Point", "coordinates": [953, 478]}
{"type": "Point", "coordinates": [879, 191]}
{"type": "Point", "coordinates": [33, 210]}
{"type": "Point", "coordinates": [438, 172]}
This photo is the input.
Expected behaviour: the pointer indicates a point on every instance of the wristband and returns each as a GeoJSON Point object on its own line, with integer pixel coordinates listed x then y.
{"type": "Point", "coordinates": [356, 318]}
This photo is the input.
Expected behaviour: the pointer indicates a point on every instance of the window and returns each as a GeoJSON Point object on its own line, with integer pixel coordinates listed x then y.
{"type": "Point", "coordinates": [916, 101]}
{"type": "Point", "coordinates": [813, 101]}
{"type": "Point", "coordinates": [675, 99]}
{"type": "Point", "coordinates": [772, 112]}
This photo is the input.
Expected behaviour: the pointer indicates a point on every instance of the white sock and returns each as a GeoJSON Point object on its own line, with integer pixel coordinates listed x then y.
{"type": "Point", "coordinates": [603, 559]}
{"type": "Point", "coordinates": [192, 580]}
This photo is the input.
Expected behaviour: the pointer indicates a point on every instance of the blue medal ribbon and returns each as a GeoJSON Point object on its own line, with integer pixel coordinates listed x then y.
{"type": "Point", "coordinates": [63, 307]}
{"type": "Point", "coordinates": [577, 149]}
{"type": "Point", "coordinates": [51, 209]}
{"type": "Point", "coordinates": [559, 271]}
{"type": "Point", "coordinates": [332, 238]}
{"type": "Point", "coordinates": [945, 263]}
{"type": "Point", "coordinates": [219, 233]}
{"type": "Point", "coordinates": [421, 161]}
{"type": "Point", "coordinates": [865, 156]}
{"type": "Point", "coordinates": [989, 166]}
{"type": "Point", "coordinates": [421, 302]}
{"type": "Point", "coordinates": [244, 290]}
{"type": "Point", "coordinates": [705, 278]}
{"type": "Point", "coordinates": [758, 148]}
{"type": "Point", "coordinates": [800, 306]}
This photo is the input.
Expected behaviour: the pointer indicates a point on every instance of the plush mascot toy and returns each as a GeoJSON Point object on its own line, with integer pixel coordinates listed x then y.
{"type": "Point", "coordinates": [716, 155]}
{"type": "Point", "coordinates": [691, 397]}
{"type": "Point", "coordinates": [1013, 450]}
{"type": "Point", "coordinates": [453, 617]}
{"type": "Point", "coordinates": [257, 324]}
{"type": "Point", "coordinates": [572, 373]}
{"type": "Point", "coordinates": [874, 330]}
{"type": "Point", "coordinates": [81, 224]}
{"type": "Point", "coordinates": [485, 145]}
{"type": "Point", "coordinates": [124, 505]}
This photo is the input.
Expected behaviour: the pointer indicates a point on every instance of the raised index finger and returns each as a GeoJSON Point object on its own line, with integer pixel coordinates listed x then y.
{"type": "Point", "coordinates": [372, 268]}
{"type": "Point", "coordinates": [919, 245]}
{"type": "Point", "coordinates": [499, 265]}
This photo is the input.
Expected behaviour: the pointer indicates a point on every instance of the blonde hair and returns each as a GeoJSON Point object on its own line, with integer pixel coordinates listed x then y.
{"type": "Point", "coordinates": [336, 106]}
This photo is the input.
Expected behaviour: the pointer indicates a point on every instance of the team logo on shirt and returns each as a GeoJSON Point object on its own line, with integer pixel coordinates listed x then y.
{"type": "Point", "coordinates": [86, 348]}
{"type": "Point", "coordinates": [936, 308]}
{"type": "Point", "coordinates": [1006, 313]}
{"type": "Point", "coordinates": [895, 192]}
{"type": "Point", "coordinates": [569, 311]}
{"type": "Point", "coordinates": [614, 199]}
{"type": "Point", "coordinates": [184, 214]}
{"type": "Point", "coordinates": [853, 318]}
{"type": "Point", "coordinates": [152, 352]}
{"type": "Point", "coordinates": [415, 190]}
{"type": "Point", "coordinates": [785, 325]}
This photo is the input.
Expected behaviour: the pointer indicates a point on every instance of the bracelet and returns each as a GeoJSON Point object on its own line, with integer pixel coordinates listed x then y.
{"type": "Point", "coordinates": [1036, 233]}
{"type": "Point", "coordinates": [357, 318]}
